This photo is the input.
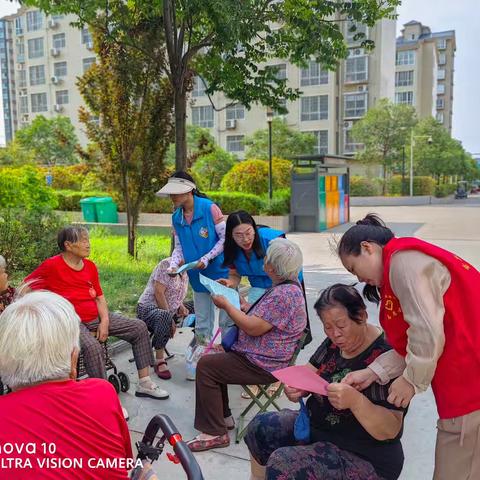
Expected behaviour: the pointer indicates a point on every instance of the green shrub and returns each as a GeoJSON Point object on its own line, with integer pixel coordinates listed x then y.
{"type": "Point", "coordinates": [27, 237]}
{"type": "Point", "coordinates": [423, 185]}
{"type": "Point", "coordinates": [251, 176]}
{"type": "Point", "coordinates": [67, 177]}
{"type": "Point", "coordinates": [69, 200]}
{"type": "Point", "coordinates": [394, 185]}
{"type": "Point", "coordinates": [25, 187]}
{"type": "Point", "coordinates": [280, 204]}
{"type": "Point", "coordinates": [209, 169]}
{"type": "Point", "coordinates": [231, 201]}
{"type": "Point", "coordinates": [444, 190]}
{"type": "Point", "coordinates": [365, 187]}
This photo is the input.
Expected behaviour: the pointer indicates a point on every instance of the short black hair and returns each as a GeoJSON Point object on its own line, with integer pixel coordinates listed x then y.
{"type": "Point", "coordinates": [345, 296]}
{"type": "Point", "coordinates": [72, 233]}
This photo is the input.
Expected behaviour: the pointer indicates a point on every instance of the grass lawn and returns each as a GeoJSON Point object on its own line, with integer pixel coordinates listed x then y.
{"type": "Point", "coordinates": [123, 278]}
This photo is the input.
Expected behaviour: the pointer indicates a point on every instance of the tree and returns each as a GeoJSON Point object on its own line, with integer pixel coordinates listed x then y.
{"type": "Point", "coordinates": [129, 116]}
{"type": "Point", "coordinates": [209, 169]}
{"type": "Point", "coordinates": [13, 154]}
{"type": "Point", "coordinates": [199, 142]}
{"type": "Point", "coordinates": [52, 141]}
{"type": "Point", "coordinates": [443, 156]}
{"type": "Point", "coordinates": [384, 131]}
{"type": "Point", "coordinates": [228, 42]}
{"type": "Point", "coordinates": [286, 143]}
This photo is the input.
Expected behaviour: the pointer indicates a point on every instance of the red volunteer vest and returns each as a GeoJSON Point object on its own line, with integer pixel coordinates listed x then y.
{"type": "Point", "coordinates": [456, 383]}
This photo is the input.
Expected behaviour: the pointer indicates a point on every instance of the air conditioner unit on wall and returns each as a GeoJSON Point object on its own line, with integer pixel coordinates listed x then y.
{"type": "Point", "coordinates": [52, 23]}
{"type": "Point", "coordinates": [57, 108]}
{"type": "Point", "coordinates": [89, 45]}
{"type": "Point", "coordinates": [231, 124]}
{"type": "Point", "coordinates": [54, 52]}
{"type": "Point", "coordinates": [347, 125]}
{"type": "Point", "coordinates": [362, 88]}
{"type": "Point", "coordinates": [54, 79]}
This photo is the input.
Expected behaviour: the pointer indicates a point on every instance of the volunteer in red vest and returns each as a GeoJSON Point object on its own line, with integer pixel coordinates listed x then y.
{"type": "Point", "coordinates": [428, 309]}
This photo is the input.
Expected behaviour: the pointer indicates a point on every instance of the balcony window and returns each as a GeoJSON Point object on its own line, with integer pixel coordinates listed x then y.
{"type": "Point", "coordinates": [34, 20]}
{"type": "Point", "coordinates": [235, 143]}
{"type": "Point", "coordinates": [37, 75]}
{"type": "Point", "coordinates": [235, 112]}
{"type": "Point", "coordinates": [356, 68]}
{"type": "Point", "coordinates": [404, 79]}
{"type": "Point", "coordinates": [405, 57]}
{"type": "Point", "coordinates": [405, 98]}
{"type": "Point", "coordinates": [314, 108]}
{"type": "Point", "coordinates": [35, 47]}
{"type": "Point", "coordinates": [203, 116]}
{"type": "Point", "coordinates": [355, 105]}
{"type": "Point", "coordinates": [314, 74]}
{"type": "Point", "coordinates": [39, 102]}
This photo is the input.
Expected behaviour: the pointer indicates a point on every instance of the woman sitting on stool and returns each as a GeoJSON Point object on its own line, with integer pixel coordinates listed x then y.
{"type": "Point", "coordinates": [161, 303]}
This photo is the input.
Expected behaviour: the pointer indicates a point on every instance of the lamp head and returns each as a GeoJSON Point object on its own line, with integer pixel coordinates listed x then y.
{"type": "Point", "coordinates": [269, 114]}
{"type": "Point", "coordinates": [430, 140]}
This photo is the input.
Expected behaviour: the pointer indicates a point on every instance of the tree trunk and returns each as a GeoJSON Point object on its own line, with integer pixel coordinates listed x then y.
{"type": "Point", "coordinates": [384, 187]}
{"type": "Point", "coordinates": [180, 128]}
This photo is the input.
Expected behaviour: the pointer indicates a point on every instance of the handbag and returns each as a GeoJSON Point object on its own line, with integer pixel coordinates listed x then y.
{"type": "Point", "coordinates": [301, 429]}
{"type": "Point", "coordinates": [230, 338]}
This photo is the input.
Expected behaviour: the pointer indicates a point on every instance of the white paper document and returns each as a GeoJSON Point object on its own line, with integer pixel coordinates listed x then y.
{"type": "Point", "coordinates": [216, 288]}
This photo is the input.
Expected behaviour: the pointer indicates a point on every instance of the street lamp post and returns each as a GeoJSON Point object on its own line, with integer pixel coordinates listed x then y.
{"type": "Point", "coordinates": [270, 172]}
{"type": "Point", "coordinates": [412, 144]}
{"type": "Point", "coordinates": [403, 172]}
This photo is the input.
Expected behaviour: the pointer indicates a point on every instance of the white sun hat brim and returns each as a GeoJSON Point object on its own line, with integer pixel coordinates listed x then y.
{"type": "Point", "coordinates": [176, 186]}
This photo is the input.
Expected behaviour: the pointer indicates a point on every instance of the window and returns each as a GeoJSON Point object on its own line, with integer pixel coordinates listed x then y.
{"type": "Point", "coordinates": [23, 104]}
{"type": "Point", "coordinates": [199, 87]}
{"type": "Point", "coordinates": [440, 88]}
{"type": "Point", "coordinates": [60, 69]}
{"type": "Point", "coordinates": [442, 59]}
{"type": "Point", "coordinates": [280, 70]}
{"type": "Point", "coordinates": [37, 75]}
{"type": "Point", "coordinates": [22, 78]}
{"type": "Point", "coordinates": [314, 108]}
{"type": "Point", "coordinates": [356, 66]}
{"type": "Point", "coordinates": [86, 36]}
{"type": "Point", "coordinates": [404, 97]}
{"type": "Point", "coordinates": [57, 17]}
{"type": "Point", "coordinates": [441, 74]}
{"type": "Point", "coordinates": [61, 97]}
{"type": "Point", "coordinates": [20, 48]}
{"type": "Point", "coordinates": [440, 103]}
{"type": "Point", "coordinates": [203, 116]}
{"type": "Point", "coordinates": [35, 47]}
{"type": "Point", "coordinates": [59, 40]}
{"type": "Point", "coordinates": [355, 105]}
{"type": "Point", "coordinates": [442, 44]}
{"type": "Point", "coordinates": [87, 63]}
{"type": "Point", "coordinates": [235, 143]}
{"type": "Point", "coordinates": [405, 57]}
{"type": "Point", "coordinates": [39, 102]}
{"type": "Point", "coordinates": [404, 79]}
{"type": "Point", "coordinates": [313, 75]}
{"type": "Point", "coordinates": [439, 117]}
{"type": "Point", "coordinates": [321, 142]}
{"type": "Point", "coordinates": [358, 28]}
{"type": "Point", "coordinates": [34, 20]}
{"type": "Point", "coordinates": [350, 145]}
{"type": "Point", "coordinates": [19, 26]}
{"type": "Point", "coordinates": [236, 112]}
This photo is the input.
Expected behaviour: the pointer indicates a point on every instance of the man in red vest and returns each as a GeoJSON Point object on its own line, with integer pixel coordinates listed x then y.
{"type": "Point", "coordinates": [428, 309]}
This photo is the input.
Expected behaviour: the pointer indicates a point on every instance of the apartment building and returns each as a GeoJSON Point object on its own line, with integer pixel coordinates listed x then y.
{"type": "Point", "coordinates": [330, 102]}
{"type": "Point", "coordinates": [424, 72]}
{"type": "Point", "coordinates": [42, 58]}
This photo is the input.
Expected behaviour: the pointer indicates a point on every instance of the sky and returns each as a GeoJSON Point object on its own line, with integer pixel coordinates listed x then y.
{"type": "Point", "coordinates": [463, 16]}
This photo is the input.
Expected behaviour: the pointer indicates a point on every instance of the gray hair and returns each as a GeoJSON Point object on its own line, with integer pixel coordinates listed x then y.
{"type": "Point", "coordinates": [72, 233]}
{"type": "Point", "coordinates": [3, 262]}
{"type": "Point", "coordinates": [38, 334]}
{"type": "Point", "coordinates": [285, 257]}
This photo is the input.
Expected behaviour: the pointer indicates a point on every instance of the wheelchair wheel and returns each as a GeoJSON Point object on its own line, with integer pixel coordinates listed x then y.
{"type": "Point", "coordinates": [115, 381]}
{"type": "Point", "coordinates": [124, 381]}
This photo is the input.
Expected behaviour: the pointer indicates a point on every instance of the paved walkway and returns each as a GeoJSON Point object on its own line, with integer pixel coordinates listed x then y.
{"type": "Point", "coordinates": [456, 227]}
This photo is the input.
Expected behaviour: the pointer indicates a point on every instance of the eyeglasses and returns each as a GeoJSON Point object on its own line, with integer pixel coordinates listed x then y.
{"type": "Point", "coordinates": [247, 234]}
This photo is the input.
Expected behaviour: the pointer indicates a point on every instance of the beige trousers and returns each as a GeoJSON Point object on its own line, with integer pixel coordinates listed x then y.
{"type": "Point", "coordinates": [457, 454]}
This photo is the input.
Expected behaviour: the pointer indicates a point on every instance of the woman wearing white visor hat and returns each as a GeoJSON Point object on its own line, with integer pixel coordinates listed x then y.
{"type": "Point", "coordinates": [199, 230]}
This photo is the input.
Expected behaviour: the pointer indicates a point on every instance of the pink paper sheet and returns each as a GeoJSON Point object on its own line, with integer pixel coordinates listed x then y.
{"type": "Point", "coordinates": [303, 378]}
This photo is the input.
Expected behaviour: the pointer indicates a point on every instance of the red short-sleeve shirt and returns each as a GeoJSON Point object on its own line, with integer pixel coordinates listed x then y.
{"type": "Point", "coordinates": [74, 425]}
{"type": "Point", "coordinates": [79, 287]}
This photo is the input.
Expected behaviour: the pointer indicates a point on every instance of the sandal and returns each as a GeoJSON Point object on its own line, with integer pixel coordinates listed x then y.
{"type": "Point", "coordinates": [198, 445]}
{"type": "Point", "coordinates": [163, 374]}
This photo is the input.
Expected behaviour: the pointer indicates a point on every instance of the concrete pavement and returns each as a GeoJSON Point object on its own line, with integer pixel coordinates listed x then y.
{"type": "Point", "coordinates": [455, 227]}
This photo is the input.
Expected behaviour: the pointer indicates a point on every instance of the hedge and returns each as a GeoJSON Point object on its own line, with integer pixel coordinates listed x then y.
{"type": "Point", "coordinates": [365, 187]}
{"type": "Point", "coordinates": [69, 200]}
{"type": "Point", "coordinates": [232, 201]}
{"type": "Point", "coordinates": [445, 189]}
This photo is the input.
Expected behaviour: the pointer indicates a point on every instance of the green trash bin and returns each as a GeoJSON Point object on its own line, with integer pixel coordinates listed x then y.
{"type": "Point", "coordinates": [106, 210]}
{"type": "Point", "coordinates": [88, 209]}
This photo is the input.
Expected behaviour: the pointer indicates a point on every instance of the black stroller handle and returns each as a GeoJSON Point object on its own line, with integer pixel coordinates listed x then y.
{"type": "Point", "coordinates": [183, 453]}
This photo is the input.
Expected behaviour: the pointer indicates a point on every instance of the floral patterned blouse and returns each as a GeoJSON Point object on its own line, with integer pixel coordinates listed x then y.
{"type": "Point", "coordinates": [6, 298]}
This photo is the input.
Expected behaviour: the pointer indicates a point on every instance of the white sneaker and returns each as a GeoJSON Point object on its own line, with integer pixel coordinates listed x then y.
{"type": "Point", "coordinates": [125, 414]}
{"type": "Point", "coordinates": [151, 391]}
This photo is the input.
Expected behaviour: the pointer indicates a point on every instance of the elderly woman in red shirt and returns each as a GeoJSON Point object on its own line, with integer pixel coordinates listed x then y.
{"type": "Point", "coordinates": [56, 419]}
